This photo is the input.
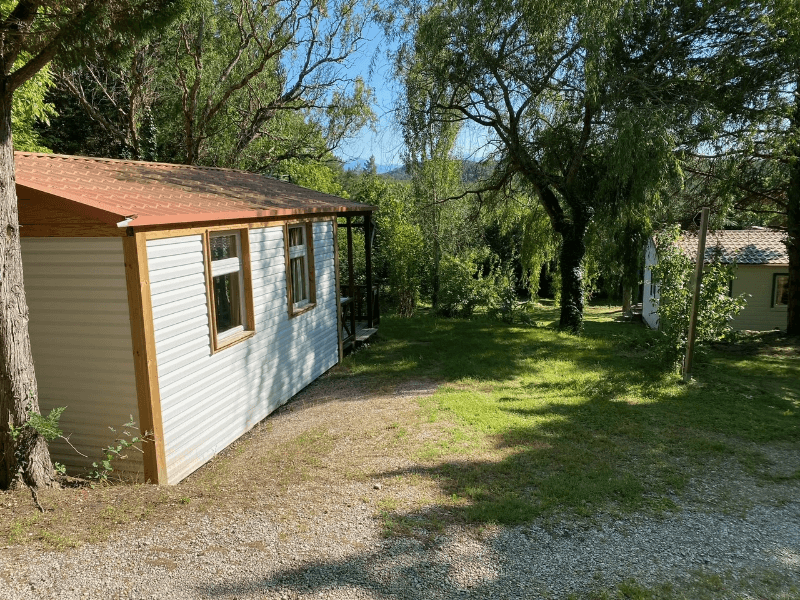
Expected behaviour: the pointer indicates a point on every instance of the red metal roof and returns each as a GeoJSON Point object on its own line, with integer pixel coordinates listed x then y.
{"type": "Point", "coordinates": [146, 193]}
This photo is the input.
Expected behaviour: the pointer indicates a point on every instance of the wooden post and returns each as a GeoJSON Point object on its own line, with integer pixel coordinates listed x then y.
{"type": "Point", "coordinates": [368, 250]}
{"type": "Point", "coordinates": [144, 357]}
{"type": "Point", "coordinates": [698, 277]}
{"type": "Point", "coordinates": [338, 284]}
{"type": "Point", "coordinates": [351, 279]}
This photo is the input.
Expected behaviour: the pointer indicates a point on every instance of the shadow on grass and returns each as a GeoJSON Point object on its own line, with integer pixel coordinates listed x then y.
{"type": "Point", "coordinates": [612, 433]}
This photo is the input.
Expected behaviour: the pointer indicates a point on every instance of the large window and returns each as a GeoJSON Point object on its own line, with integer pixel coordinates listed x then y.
{"type": "Point", "coordinates": [780, 289]}
{"type": "Point", "coordinates": [230, 289]}
{"type": "Point", "coordinates": [300, 284]}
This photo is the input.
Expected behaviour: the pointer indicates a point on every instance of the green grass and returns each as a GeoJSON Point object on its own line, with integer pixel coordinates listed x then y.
{"type": "Point", "coordinates": [579, 424]}
{"type": "Point", "coordinates": [707, 586]}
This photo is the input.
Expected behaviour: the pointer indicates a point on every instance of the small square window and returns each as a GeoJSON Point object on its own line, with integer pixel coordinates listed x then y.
{"type": "Point", "coordinates": [780, 289]}
{"type": "Point", "coordinates": [230, 289]}
{"type": "Point", "coordinates": [300, 282]}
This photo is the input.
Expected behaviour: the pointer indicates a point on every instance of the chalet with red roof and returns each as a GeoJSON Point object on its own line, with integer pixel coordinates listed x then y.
{"type": "Point", "coordinates": [195, 299]}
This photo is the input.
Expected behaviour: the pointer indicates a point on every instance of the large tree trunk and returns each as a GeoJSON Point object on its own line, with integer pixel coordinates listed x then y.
{"type": "Point", "coordinates": [793, 222]}
{"type": "Point", "coordinates": [793, 246]}
{"type": "Point", "coordinates": [18, 391]}
{"type": "Point", "coordinates": [573, 250]}
{"type": "Point", "coordinates": [627, 294]}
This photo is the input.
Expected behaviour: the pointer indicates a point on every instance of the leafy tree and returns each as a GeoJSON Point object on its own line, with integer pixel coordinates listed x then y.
{"type": "Point", "coordinates": [435, 179]}
{"type": "Point", "coordinates": [569, 96]}
{"type": "Point", "coordinates": [33, 34]}
{"type": "Point", "coordinates": [745, 153]}
{"type": "Point", "coordinates": [240, 84]}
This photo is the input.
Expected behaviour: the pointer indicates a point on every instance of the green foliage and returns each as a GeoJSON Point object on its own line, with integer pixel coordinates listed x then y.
{"type": "Point", "coordinates": [315, 176]}
{"type": "Point", "coordinates": [129, 437]}
{"type": "Point", "coordinates": [673, 274]}
{"type": "Point", "coordinates": [401, 250]}
{"type": "Point", "coordinates": [47, 427]}
{"type": "Point", "coordinates": [241, 85]}
{"type": "Point", "coordinates": [463, 286]}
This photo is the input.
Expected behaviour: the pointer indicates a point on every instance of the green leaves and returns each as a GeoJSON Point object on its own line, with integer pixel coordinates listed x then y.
{"type": "Point", "coordinates": [673, 275]}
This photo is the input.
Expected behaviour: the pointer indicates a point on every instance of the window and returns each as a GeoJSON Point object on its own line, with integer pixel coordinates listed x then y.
{"type": "Point", "coordinates": [300, 280]}
{"type": "Point", "coordinates": [780, 289]}
{"type": "Point", "coordinates": [230, 288]}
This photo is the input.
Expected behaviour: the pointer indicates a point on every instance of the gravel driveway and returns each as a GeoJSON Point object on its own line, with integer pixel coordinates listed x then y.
{"type": "Point", "coordinates": [329, 543]}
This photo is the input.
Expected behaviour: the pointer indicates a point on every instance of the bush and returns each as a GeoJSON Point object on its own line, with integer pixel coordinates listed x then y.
{"type": "Point", "coordinates": [673, 274]}
{"type": "Point", "coordinates": [462, 285]}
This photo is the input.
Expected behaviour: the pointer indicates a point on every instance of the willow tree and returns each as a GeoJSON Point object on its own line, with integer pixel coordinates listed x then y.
{"type": "Point", "coordinates": [31, 35]}
{"type": "Point", "coordinates": [579, 102]}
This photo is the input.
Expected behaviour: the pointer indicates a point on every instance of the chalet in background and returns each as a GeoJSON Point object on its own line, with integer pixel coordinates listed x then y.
{"type": "Point", "coordinates": [195, 299]}
{"type": "Point", "coordinates": [762, 272]}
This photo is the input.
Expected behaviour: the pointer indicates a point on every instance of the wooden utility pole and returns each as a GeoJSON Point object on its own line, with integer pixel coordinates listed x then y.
{"type": "Point", "coordinates": [698, 277]}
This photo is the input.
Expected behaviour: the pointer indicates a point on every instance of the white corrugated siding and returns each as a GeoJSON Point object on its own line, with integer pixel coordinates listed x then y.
{"type": "Point", "coordinates": [208, 401]}
{"type": "Point", "coordinates": [81, 340]}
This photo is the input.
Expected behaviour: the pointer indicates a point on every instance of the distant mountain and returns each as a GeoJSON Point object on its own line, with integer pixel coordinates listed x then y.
{"type": "Point", "coordinates": [358, 165]}
{"type": "Point", "coordinates": [471, 172]}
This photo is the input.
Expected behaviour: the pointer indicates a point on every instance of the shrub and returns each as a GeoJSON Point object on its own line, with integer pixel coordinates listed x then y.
{"type": "Point", "coordinates": [673, 274]}
{"type": "Point", "coordinates": [462, 285]}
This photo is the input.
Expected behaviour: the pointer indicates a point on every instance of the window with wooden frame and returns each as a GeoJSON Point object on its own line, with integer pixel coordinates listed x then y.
{"type": "Point", "coordinates": [230, 288]}
{"type": "Point", "coordinates": [780, 290]}
{"type": "Point", "coordinates": [300, 276]}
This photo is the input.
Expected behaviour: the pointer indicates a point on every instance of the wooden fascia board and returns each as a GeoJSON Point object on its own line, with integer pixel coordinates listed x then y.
{"type": "Point", "coordinates": [78, 207]}
{"type": "Point", "coordinates": [140, 306]}
{"type": "Point", "coordinates": [246, 215]}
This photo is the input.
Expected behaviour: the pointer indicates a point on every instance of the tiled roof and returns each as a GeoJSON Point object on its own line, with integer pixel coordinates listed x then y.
{"type": "Point", "coordinates": [743, 246]}
{"type": "Point", "coordinates": [148, 193]}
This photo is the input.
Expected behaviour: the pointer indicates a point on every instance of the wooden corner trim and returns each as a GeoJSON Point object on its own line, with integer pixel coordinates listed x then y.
{"type": "Point", "coordinates": [337, 283]}
{"type": "Point", "coordinates": [140, 307]}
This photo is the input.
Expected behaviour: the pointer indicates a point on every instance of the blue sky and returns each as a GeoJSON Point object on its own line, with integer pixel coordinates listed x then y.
{"type": "Point", "coordinates": [385, 144]}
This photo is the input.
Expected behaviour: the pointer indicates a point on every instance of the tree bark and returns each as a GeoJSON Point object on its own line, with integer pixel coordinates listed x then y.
{"type": "Point", "coordinates": [793, 225]}
{"type": "Point", "coordinates": [18, 391]}
{"type": "Point", "coordinates": [627, 294]}
{"type": "Point", "coordinates": [573, 250]}
{"type": "Point", "coordinates": [793, 247]}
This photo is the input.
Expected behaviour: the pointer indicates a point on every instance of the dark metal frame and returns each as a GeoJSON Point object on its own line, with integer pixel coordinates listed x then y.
{"type": "Point", "coordinates": [361, 304]}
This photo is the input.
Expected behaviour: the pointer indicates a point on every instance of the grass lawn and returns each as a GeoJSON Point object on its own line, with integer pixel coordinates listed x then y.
{"type": "Point", "coordinates": [547, 422]}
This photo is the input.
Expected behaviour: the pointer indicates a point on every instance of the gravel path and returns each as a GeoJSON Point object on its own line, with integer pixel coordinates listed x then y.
{"type": "Point", "coordinates": [342, 555]}
{"type": "Point", "coordinates": [326, 540]}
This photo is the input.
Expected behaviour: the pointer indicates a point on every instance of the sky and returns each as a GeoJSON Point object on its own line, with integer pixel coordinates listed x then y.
{"type": "Point", "coordinates": [385, 144]}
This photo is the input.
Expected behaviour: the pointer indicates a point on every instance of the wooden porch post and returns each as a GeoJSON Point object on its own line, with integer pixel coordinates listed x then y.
{"type": "Point", "coordinates": [351, 279]}
{"type": "Point", "coordinates": [339, 323]}
{"type": "Point", "coordinates": [368, 251]}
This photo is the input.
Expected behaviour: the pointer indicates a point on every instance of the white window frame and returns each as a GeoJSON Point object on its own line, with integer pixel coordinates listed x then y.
{"type": "Point", "coordinates": [306, 252]}
{"type": "Point", "coordinates": [238, 264]}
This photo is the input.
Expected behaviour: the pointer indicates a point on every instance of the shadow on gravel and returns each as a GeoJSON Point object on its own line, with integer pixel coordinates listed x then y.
{"type": "Point", "coordinates": [532, 562]}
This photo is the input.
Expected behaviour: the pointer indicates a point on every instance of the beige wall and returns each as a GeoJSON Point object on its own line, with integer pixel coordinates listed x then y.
{"type": "Point", "coordinates": [758, 314]}
{"type": "Point", "coordinates": [81, 340]}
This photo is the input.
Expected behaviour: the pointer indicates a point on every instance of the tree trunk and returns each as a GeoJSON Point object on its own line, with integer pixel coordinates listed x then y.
{"type": "Point", "coordinates": [793, 222]}
{"type": "Point", "coordinates": [18, 391]}
{"type": "Point", "coordinates": [793, 247]}
{"type": "Point", "coordinates": [627, 294]}
{"type": "Point", "coordinates": [573, 250]}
